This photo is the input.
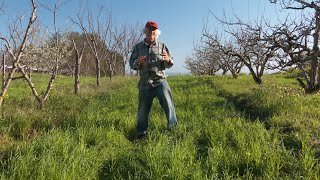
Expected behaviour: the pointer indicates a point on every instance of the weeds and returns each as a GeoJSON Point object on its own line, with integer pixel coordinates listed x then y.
{"type": "Point", "coordinates": [228, 129]}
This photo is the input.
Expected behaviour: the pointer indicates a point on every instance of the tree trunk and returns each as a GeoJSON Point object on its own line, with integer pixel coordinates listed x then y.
{"type": "Point", "coordinates": [313, 86]}
{"type": "Point", "coordinates": [124, 68]}
{"type": "Point", "coordinates": [77, 72]}
{"type": "Point", "coordinates": [305, 77]}
{"type": "Point", "coordinates": [255, 77]}
{"type": "Point", "coordinates": [41, 103]}
{"type": "Point", "coordinates": [313, 73]}
{"type": "Point", "coordinates": [78, 59]}
{"type": "Point", "coordinates": [110, 71]}
{"type": "Point", "coordinates": [318, 77]}
{"type": "Point", "coordinates": [6, 86]}
{"type": "Point", "coordinates": [98, 71]}
{"type": "Point", "coordinates": [77, 77]}
{"type": "Point", "coordinates": [224, 72]}
{"type": "Point", "coordinates": [234, 74]}
{"type": "Point", "coordinates": [3, 71]}
{"type": "Point", "coordinates": [17, 57]}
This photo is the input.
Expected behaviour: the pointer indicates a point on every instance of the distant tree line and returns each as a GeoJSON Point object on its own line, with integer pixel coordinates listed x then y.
{"type": "Point", "coordinates": [87, 64]}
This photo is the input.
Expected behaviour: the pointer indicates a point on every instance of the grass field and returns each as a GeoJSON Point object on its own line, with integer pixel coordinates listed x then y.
{"type": "Point", "coordinates": [228, 129]}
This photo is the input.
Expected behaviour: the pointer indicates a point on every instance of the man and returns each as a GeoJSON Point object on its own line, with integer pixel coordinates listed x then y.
{"type": "Point", "coordinates": [151, 57]}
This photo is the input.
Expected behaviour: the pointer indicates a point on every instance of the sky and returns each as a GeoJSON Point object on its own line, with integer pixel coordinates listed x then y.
{"type": "Point", "coordinates": [180, 21]}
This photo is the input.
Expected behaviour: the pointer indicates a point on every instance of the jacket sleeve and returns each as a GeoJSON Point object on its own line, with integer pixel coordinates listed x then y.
{"type": "Point", "coordinates": [170, 63]}
{"type": "Point", "coordinates": [134, 59]}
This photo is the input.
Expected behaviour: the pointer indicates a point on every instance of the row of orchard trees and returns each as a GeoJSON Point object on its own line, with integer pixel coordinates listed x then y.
{"type": "Point", "coordinates": [261, 45]}
{"type": "Point", "coordinates": [100, 48]}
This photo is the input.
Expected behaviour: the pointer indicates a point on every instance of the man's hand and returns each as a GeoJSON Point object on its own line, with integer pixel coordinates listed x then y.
{"type": "Point", "coordinates": [141, 59]}
{"type": "Point", "coordinates": [165, 57]}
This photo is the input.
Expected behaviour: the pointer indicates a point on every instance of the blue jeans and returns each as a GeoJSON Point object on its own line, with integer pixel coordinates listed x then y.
{"type": "Point", "coordinates": [163, 93]}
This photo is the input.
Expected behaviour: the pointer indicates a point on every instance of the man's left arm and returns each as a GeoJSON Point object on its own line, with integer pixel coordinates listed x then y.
{"type": "Point", "coordinates": [168, 59]}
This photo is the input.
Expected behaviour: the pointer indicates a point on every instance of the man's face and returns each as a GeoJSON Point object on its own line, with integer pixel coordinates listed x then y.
{"type": "Point", "coordinates": [151, 34]}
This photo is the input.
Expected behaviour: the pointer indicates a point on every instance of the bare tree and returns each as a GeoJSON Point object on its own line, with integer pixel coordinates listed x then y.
{"type": "Point", "coordinates": [245, 45]}
{"type": "Point", "coordinates": [16, 53]}
{"type": "Point", "coordinates": [294, 41]}
{"type": "Point", "coordinates": [78, 59]}
{"type": "Point", "coordinates": [131, 36]}
{"type": "Point", "coordinates": [71, 38]}
{"type": "Point", "coordinates": [112, 37]}
{"type": "Point", "coordinates": [208, 59]}
{"type": "Point", "coordinates": [3, 71]}
{"type": "Point", "coordinates": [1, 7]}
{"type": "Point", "coordinates": [193, 66]}
{"type": "Point", "coordinates": [204, 61]}
{"type": "Point", "coordinates": [93, 37]}
{"type": "Point", "coordinates": [51, 55]}
{"type": "Point", "coordinates": [108, 43]}
{"type": "Point", "coordinates": [231, 63]}
{"type": "Point", "coordinates": [42, 58]}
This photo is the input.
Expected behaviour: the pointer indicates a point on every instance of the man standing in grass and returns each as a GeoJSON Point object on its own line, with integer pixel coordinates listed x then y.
{"type": "Point", "coordinates": [151, 57]}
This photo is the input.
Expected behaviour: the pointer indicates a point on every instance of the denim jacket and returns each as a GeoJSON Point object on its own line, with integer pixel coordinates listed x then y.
{"type": "Point", "coordinates": [152, 73]}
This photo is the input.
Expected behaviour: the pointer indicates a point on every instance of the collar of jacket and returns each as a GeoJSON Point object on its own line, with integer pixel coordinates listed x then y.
{"type": "Point", "coordinates": [155, 42]}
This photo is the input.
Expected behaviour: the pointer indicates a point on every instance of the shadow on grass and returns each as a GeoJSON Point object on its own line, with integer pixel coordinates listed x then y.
{"type": "Point", "coordinates": [291, 142]}
{"type": "Point", "coordinates": [251, 105]}
{"type": "Point", "coordinates": [4, 160]}
{"type": "Point", "coordinates": [204, 144]}
{"type": "Point", "coordinates": [239, 169]}
{"type": "Point", "coordinates": [123, 168]}
{"type": "Point", "coordinates": [131, 134]}
{"type": "Point", "coordinates": [242, 169]}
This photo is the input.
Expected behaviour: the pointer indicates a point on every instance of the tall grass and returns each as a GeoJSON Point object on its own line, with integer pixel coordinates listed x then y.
{"type": "Point", "coordinates": [227, 129]}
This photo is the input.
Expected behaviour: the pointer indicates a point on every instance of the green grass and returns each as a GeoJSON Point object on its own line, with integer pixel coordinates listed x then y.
{"type": "Point", "coordinates": [228, 129]}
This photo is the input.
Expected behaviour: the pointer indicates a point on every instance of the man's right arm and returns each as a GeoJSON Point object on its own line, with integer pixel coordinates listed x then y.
{"type": "Point", "coordinates": [134, 62]}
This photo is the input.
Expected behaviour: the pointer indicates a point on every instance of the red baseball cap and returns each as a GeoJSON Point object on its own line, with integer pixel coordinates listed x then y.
{"type": "Point", "coordinates": [152, 24]}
